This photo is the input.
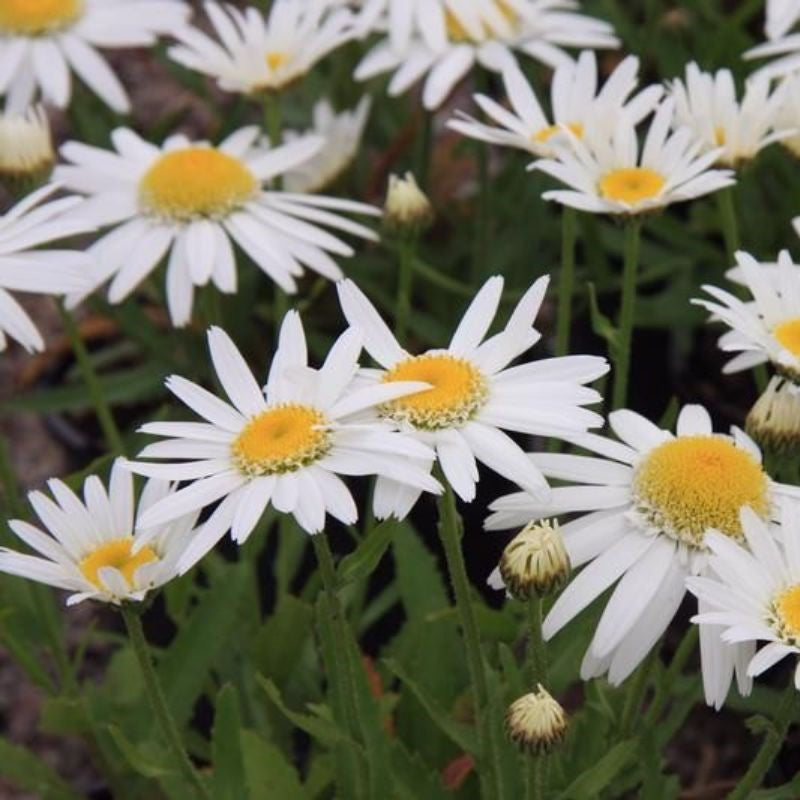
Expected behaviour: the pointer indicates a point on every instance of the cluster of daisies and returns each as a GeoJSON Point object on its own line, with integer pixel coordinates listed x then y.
{"type": "Point", "coordinates": [651, 512]}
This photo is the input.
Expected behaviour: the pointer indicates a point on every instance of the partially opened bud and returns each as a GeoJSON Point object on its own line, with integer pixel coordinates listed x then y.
{"type": "Point", "coordinates": [536, 722]}
{"type": "Point", "coordinates": [535, 561]}
{"type": "Point", "coordinates": [407, 210]}
{"type": "Point", "coordinates": [26, 150]}
{"type": "Point", "coordinates": [774, 420]}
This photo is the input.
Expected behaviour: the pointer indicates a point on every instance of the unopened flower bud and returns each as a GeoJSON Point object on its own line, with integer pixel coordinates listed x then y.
{"type": "Point", "coordinates": [535, 561]}
{"type": "Point", "coordinates": [536, 722]}
{"type": "Point", "coordinates": [26, 150]}
{"type": "Point", "coordinates": [774, 420]}
{"type": "Point", "coordinates": [407, 210]}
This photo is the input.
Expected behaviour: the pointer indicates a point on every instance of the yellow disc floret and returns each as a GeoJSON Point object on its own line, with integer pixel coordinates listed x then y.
{"type": "Point", "coordinates": [456, 32]}
{"type": "Point", "coordinates": [631, 185]}
{"type": "Point", "coordinates": [693, 483]}
{"type": "Point", "coordinates": [37, 17]}
{"type": "Point", "coordinates": [282, 439]}
{"type": "Point", "coordinates": [787, 613]}
{"type": "Point", "coordinates": [787, 334]}
{"type": "Point", "coordinates": [118, 554]}
{"type": "Point", "coordinates": [544, 134]}
{"type": "Point", "coordinates": [196, 182]}
{"type": "Point", "coordinates": [458, 391]}
{"type": "Point", "coordinates": [276, 59]}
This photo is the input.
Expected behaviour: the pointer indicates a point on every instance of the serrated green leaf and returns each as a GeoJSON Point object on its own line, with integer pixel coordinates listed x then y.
{"type": "Point", "coordinates": [141, 761]}
{"type": "Point", "coordinates": [590, 783]}
{"type": "Point", "coordinates": [290, 624]}
{"type": "Point", "coordinates": [269, 774]}
{"type": "Point", "coordinates": [226, 749]}
{"type": "Point", "coordinates": [365, 558]}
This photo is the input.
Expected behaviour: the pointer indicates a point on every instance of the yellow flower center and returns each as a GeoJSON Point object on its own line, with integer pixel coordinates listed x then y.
{"type": "Point", "coordinates": [116, 553]}
{"type": "Point", "coordinates": [456, 32]}
{"type": "Point", "coordinates": [787, 611]}
{"type": "Point", "coordinates": [693, 483]}
{"type": "Point", "coordinates": [788, 335]}
{"type": "Point", "coordinates": [282, 439]}
{"type": "Point", "coordinates": [196, 182]}
{"type": "Point", "coordinates": [276, 59]}
{"type": "Point", "coordinates": [719, 136]}
{"type": "Point", "coordinates": [544, 134]}
{"type": "Point", "coordinates": [36, 17]}
{"type": "Point", "coordinates": [631, 185]}
{"type": "Point", "coordinates": [458, 391]}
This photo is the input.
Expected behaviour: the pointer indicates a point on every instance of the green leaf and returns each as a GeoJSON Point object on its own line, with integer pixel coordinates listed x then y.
{"type": "Point", "coordinates": [226, 749]}
{"type": "Point", "coordinates": [137, 757]}
{"type": "Point", "coordinates": [363, 560]}
{"type": "Point", "coordinates": [601, 324]}
{"type": "Point", "coordinates": [66, 716]}
{"type": "Point", "coordinates": [290, 624]}
{"type": "Point", "coordinates": [268, 773]}
{"type": "Point", "coordinates": [186, 663]}
{"type": "Point", "coordinates": [590, 783]}
{"type": "Point", "coordinates": [29, 773]}
{"type": "Point", "coordinates": [413, 779]}
{"type": "Point", "coordinates": [787, 791]}
{"type": "Point", "coordinates": [463, 735]}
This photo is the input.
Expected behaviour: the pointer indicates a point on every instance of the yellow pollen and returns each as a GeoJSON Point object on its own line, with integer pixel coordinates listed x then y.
{"type": "Point", "coordinates": [787, 609]}
{"type": "Point", "coordinates": [719, 136]}
{"type": "Point", "coordinates": [116, 553]}
{"type": "Point", "coordinates": [282, 439]}
{"type": "Point", "coordinates": [458, 391]}
{"type": "Point", "coordinates": [456, 32]}
{"type": "Point", "coordinates": [196, 182]}
{"type": "Point", "coordinates": [276, 59]}
{"type": "Point", "coordinates": [788, 335]}
{"type": "Point", "coordinates": [551, 130]}
{"type": "Point", "coordinates": [631, 185]}
{"type": "Point", "coordinates": [36, 17]}
{"type": "Point", "coordinates": [693, 483]}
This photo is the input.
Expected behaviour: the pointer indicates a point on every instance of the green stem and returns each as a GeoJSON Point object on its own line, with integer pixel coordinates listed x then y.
{"type": "Point", "coordinates": [622, 351]}
{"type": "Point", "coordinates": [634, 696]}
{"type": "Point", "coordinates": [158, 702]}
{"type": "Point", "coordinates": [679, 659]}
{"type": "Point", "coordinates": [273, 118]}
{"type": "Point", "coordinates": [770, 747]}
{"type": "Point", "coordinates": [102, 409]}
{"type": "Point", "coordinates": [537, 764]}
{"type": "Point", "coordinates": [450, 535]}
{"type": "Point", "coordinates": [566, 280]}
{"type": "Point", "coordinates": [8, 481]}
{"type": "Point", "coordinates": [406, 252]}
{"type": "Point", "coordinates": [730, 227]}
{"type": "Point", "coordinates": [345, 683]}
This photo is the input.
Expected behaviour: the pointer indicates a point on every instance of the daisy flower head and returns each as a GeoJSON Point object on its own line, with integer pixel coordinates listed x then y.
{"type": "Point", "coordinates": [781, 17]}
{"type": "Point", "coordinates": [252, 54]}
{"type": "Point", "coordinates": [706, 104]}
{"type": "Point", "coordinates": [766, 328]}
{"type": "Point", "coordinates": [645, 503]}
{"type": "Point", "coordinates": [474, 395]}
{"type": "Point", "coordinates": [43, 42]}
{"type": "Point", "coordinates": [788, 116]}
{"type": "Point", "coordinates": [286, 446]}
{"type": "Point", "coordinates": [27, 226]}
{"type": "Point", "coordinates": [342, 137]}
{"type": "Point", "coordinates": [752, 592]}
{"type": "Point", "coordinates": [575, 101]}
{"type": "Point", "coordinates": [26, 149]}
{"type": "Point", "coordinates": [608, 173]}
{"type": "Point", "coordinates": [454, 36]}
{"type": "Point", "coordinates": [92, 550]}
{"type": "Point", "coordinates": [190, 200]}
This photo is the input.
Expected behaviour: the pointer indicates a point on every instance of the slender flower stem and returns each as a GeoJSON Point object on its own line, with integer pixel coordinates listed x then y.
{"type": "Point", "coordinates": [343, 678]}
{"type": "Point", "coordinates": [8, 481]}
{"type": "Point", "coordinates": [566, 280]}
{"type": "Point", "coordinates": [726, 203]}
{"type": "Point", "coordinates": [406, 253]}
{"type": "Point", "coordinates": [450, 535]}
{"type": "Point", "coordinates": [537, 764]}
{"type": "Point", "coordinates": [159, 703]}
{"type": "Point", "coordinates": [622, 351]}
{"type": "Point", "coordinates": [770, 747]}
{"type": "Point", "coordinates": [635, 695]}
{"type": "Point", "coordinates": [682, 654]}
{"type": "Point", "coordinates": [102, 409]}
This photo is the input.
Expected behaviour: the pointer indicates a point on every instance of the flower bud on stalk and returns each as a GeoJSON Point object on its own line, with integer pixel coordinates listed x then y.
{"type": "Point", "coordinates": [774, 420]}
{"type": "Point", "coordinates": [536, 722]}
{"type": "Point", "coordinates": [407, 210]}
{"type": "Point", "coordinates": [26, 151]}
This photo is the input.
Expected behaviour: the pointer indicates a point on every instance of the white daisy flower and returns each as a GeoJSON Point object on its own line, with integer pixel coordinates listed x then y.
{"type": "Point", "coordinates": [706, 104]}
{"type": "Point", "coordinates": [458, 35]}
{"type": "Point", "coordinates": [287, 449]}
{"type": "Point", "coordinates": [342, 135]}
{"type": "Point", "coordinates": [753, 593]}
{"type": "Point", "coordinates": [92, 550]}
{"type": "Point", "coordinates": [766, 328]}
{"type": "Point", "coordinates": [253, 54]}
{"type": "Point", "coordinates": [24, 268]}
{"type": "Point", "coordinates": [781, 17]}
{"type": "Point", "coordinates": [575, 101]}
{"type": "Point", "coordinates": [646, 505]}
{"type": "Point", "coordinates": [42, 43]}
{"type": "Point", "coordinates": [191, 200]}
{"type": "Point", "coordinates": [788, 116]}
{"type": "Point", "coordinates": [611, 175]}
{"type": "Point", "coordinates": [26, 147]}
{"type": "Point", "coordinates": [475, 396]}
